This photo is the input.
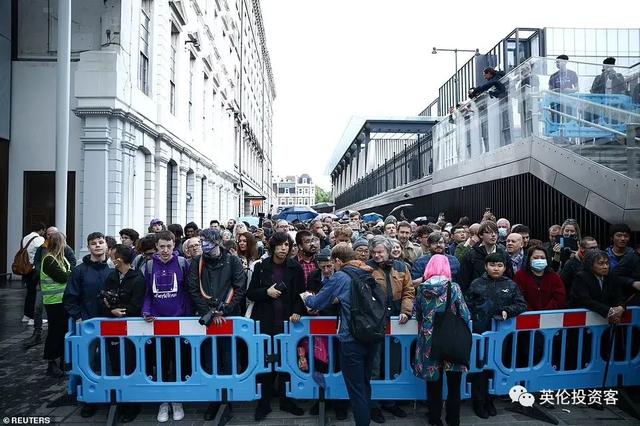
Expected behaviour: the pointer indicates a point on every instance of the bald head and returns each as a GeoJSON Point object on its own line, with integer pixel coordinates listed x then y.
{"type": "Point", "coordinates": [51, 230]}
{"type": "Point", "coordinates": [514, 243]}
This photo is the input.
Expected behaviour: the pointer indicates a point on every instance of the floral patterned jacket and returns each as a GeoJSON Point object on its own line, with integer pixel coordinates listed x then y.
{"type": "Point", "coordinates": [431, 297]}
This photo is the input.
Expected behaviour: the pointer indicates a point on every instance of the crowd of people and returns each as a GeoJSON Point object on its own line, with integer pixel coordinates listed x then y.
{"type": "Point", "coordinates": [280, 271]}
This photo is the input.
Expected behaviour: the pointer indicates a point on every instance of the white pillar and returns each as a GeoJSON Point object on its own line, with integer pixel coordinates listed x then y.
{"type": "Point", "coordinates": [96, 141]}
{"type": "Point", "coordinates": [63, 91]}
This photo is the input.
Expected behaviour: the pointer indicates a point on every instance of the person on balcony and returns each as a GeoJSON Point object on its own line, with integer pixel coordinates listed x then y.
{"type": "Point", "coordinates": [563, 80]}
{"type": "Point", "coordinates": [493, 77]}
{"type": "Point", "coordinates": [609, 82]}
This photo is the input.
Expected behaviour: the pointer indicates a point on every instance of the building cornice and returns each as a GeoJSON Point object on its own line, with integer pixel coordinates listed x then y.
{"type": "Point", "coordinates": [263, 46]}
{"type": "Point", "coordinates": [161, 135]}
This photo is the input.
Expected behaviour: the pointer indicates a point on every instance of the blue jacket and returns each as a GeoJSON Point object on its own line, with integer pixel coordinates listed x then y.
{"type": "Point", "coordinates": [339, 286]}
{"type": "Point", "coordinates": [81, 295]}
{"type": "Point", "coordinates": [613, 260]}
{"type": "Point", "coordinates": [417, 271]}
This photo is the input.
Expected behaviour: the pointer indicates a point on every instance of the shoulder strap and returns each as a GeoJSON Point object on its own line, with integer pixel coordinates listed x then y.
{"type": "Point", "coordinates": [448, 304]}
{"type": "Point", "coordinates": [28, 243]}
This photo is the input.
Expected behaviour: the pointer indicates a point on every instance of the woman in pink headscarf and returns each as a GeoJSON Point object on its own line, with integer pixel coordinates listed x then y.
{"type": "Point", "coordinates": [431, 297]}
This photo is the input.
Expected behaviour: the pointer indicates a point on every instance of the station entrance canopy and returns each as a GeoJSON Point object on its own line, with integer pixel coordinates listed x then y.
{"type": "Point", "coordinates": [368, 142]}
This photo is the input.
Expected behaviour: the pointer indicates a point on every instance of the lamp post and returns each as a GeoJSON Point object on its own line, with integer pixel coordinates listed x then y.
{"type": "Point", "coordinates": [455, 73]}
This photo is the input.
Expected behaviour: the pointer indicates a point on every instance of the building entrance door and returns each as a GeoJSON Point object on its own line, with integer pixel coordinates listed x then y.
{"type": "Point", "coordinates": [40, 202]}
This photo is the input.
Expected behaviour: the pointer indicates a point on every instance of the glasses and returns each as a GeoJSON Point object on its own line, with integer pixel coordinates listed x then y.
{"type": "Point", "coordinates": [362, 250]}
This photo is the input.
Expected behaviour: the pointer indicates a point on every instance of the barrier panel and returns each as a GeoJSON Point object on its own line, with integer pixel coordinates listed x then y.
{"type": "Point", "coordinates": [398, 381]}
{"type": "Point", "coordinates": [555, 350]}
{"type": "Point", "coordinates": [177, 359]}
{"type": "Point", "coordinates": [172, 359]}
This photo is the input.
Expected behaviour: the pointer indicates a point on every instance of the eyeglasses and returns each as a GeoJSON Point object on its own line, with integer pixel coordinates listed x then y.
{"type": "Point", "coordinates": [362, 250]}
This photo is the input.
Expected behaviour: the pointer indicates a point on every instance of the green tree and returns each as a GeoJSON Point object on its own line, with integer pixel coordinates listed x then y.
{"type": "Point", "coordinates": [322, 196]}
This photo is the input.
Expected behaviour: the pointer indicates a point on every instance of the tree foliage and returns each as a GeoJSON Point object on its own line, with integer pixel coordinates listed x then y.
{"type": "Point", "coordinates": [322, 196]}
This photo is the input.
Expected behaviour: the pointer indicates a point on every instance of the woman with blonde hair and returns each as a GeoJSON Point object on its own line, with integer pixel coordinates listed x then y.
{"type": "Point", "coordinates": [54, 273]}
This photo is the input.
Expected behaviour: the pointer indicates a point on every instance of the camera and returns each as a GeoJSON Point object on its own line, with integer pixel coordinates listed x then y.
{"type": "Point", "coordinates": [111, 296]}
{"type": "Point", "coordinates": [215, 308]}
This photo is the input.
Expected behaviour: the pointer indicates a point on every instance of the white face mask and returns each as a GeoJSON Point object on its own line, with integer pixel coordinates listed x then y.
{"type": "Point", "coordinates": [538, 265]}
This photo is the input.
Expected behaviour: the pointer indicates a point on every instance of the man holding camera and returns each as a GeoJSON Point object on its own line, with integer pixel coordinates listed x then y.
{"type": "Point", "coordinates": [216, 285]}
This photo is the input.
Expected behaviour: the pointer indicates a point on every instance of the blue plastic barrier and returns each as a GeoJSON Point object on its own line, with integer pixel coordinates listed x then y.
{"type": "Point", "coordinates": [557, 125]}
{"type": "Point", "coordinates": [93, 378]}
{"type": "Point", "coordinates": [402, 384]}
{"type": "Point", "coordinates": [571, 351]}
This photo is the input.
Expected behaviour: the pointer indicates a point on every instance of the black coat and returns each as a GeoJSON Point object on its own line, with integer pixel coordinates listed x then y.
{"type": "Point", "coordinates": [131, 291]}
{"type": "Point", "coordinates": [263, 308]}
{"type": "Point", "coordinates": [487, 298]}
{"type": "Point", "coordinates": [219, 276]}
{"type": "Point", "coordinates": [586, 293]}
{"type": "Point", "coordinates": [570, 271]}
{"type": "Point", "coordinates": [472, 265]}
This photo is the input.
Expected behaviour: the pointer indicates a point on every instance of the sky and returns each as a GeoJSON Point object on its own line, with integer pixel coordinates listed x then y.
{"type": "Point", "coordinates": [334, 59]}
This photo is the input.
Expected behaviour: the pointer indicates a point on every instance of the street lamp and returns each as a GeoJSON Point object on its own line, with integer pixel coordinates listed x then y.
{"type": "Point", "coordinates": [455, 73]}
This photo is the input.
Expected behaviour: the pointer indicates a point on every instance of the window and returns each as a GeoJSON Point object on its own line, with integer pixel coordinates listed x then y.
{"type": "Point", "coordinates": [145, 28]}
{"type": "Point", "coordinates": [192, 65]}
{"type": "Point", "coordinates": [172, 69]}
{"type": "Point", "coordinates": [205, 88]}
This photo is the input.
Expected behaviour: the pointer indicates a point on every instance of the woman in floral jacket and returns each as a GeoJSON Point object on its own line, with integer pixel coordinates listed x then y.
{"type": "Point", "coordinates": [431, 297]}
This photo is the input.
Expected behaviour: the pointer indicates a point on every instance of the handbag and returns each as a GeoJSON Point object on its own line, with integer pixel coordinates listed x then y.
{"type": "Point", "coordinates": [451, 339]}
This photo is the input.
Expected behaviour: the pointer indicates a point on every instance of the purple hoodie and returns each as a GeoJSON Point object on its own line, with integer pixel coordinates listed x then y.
{"type": "Point", "coordinates": [166, 294]}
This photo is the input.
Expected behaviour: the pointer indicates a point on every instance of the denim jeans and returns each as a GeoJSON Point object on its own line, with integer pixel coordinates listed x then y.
{"type": "Point", "coordinates": [356, 360]}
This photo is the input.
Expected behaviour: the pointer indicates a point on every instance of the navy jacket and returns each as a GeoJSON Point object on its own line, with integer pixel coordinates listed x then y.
{"type": "Point", "coordinates": [487, 298]}
{"type": "Point", "coordinates": [81, 295]}
{"type": "Point", "coordinates": [418, 268]}
{"type": "Point", "coordinates": [339, 285]}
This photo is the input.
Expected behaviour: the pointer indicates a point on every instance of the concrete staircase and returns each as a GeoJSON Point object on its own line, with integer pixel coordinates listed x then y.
{"type": "Point", "coordinates": [622, 159]}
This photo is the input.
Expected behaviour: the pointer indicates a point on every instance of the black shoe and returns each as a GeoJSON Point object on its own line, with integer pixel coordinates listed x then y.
{"type": "Point", "coordinates": [491, 409]}
{"type": "Point", "coordinates": [395, 410]}
{"type": "Point", "coordinates": [315, 409]}
{"type": "Point", "coordinates": [54, 371]}
{"type": "Point", "coordinates": [129, 413]}
{"type": "Point", "coordinates": [34, 340]}
{"type": "Point", "coordinates": [436, 422]}
{"type": "Point", "coordinates": [212, 410]}
{"type": "Point", "coordinates": [341, 412]}
{"type": "Point", "coordinates": [262, 409]}
{"type": "Point", "coordinates": [290, 407]}
{"type": "Point", "coordinates": [87, 410]}
{"type": "Point", "coordinates": [376, 415]}
{"type": "Point", "coordinates": [480, 410]}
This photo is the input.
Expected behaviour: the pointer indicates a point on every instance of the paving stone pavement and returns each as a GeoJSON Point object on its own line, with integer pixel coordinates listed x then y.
{"type": "Point", "coordinates": [25, 390]}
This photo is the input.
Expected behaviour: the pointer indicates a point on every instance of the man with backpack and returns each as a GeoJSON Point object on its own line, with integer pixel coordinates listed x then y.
{"type": "Point", "coordinates": [23, 265]}
{"type": "Point", "coordinates": [362, 324]}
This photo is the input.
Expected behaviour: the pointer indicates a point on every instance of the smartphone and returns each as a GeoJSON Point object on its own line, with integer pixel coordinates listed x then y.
{"type": "Point", "coordinates": [281, 287]}
{"type": "Point", "coordinates": [569, 242]}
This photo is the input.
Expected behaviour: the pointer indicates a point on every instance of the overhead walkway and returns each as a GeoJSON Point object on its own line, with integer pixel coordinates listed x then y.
{"type": "Point", "coordinates": [532, 154]}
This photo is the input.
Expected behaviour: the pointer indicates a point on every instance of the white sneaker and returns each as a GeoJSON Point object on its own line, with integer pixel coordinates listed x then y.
{"type": "Point", "coordinates": [44, 322]}
{"type": "Point", "coordinates": [26, 318]}
{"type": "Point", "coordinates": [30, 322]}
{"type": "Point", "coordinates": [163, 412]}
{"type": "Point", "coordinates": [178, 412]}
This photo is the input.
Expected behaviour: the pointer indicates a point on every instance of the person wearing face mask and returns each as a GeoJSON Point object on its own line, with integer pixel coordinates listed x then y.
{"type": "Point", "coordinates": [216, 278]}
{"type": "Point", "coordinates": [504, 227]}
{"type": "Point", "coordinates": [541, 287]}
{"type": "Point", "coordinates": [129, 285]}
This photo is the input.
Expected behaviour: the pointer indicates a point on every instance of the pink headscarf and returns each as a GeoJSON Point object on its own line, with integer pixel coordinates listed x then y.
{"type": "Point", "coordinates": [438, 266]}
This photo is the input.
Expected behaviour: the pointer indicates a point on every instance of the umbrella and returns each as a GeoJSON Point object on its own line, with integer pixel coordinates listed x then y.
{"type": "Point", "coordinates": [400, 208]}
{"type": "Point", "coordinates": [342, 213]}
{"type": "Point", "coordinates": [251, 220]}
{"type": "Point", "coordinates": [322, 216]}
{"type": "Point", "coordinates": [372, 217]}
{"type": "Point", "coordinates": [302, 213]}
